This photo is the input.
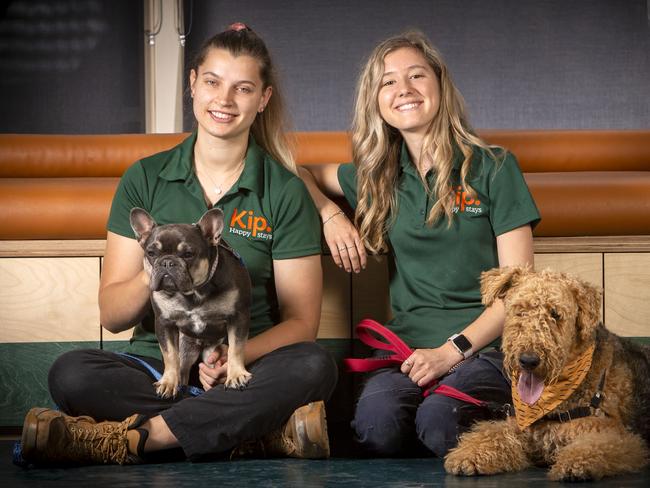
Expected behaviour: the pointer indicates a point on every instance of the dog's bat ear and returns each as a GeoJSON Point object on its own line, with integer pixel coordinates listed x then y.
{"type": "Point", "coordinates": [588, 299]}
{"type": "Point", "coordinates": [496, 282]}
{"type": "Point", "coordinates": [141, 223]}
{"type": "Point", "coordinates": [211, 225]}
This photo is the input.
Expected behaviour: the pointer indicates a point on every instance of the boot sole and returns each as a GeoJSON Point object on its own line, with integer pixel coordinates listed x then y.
{"type": "Point", "coordinates": [311, 433]}
{"type": "Point", "coordinates": [29, 438]}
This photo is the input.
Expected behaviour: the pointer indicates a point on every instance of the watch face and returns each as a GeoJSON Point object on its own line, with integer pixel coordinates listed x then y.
{"type": "Point", "coordinates": [462, 342]}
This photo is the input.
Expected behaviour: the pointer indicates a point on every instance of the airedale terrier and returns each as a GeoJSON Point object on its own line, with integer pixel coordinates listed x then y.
{"type": "Point", "coordinates": [581, 394]}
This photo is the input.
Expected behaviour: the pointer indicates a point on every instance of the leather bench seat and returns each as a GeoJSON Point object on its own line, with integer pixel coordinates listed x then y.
{"type": "Point", "coordinates": [585, 183]}
{"type": "Point", "coordinates": [53, 156]}
{"type": "Point", "coordinates": [572, 204]}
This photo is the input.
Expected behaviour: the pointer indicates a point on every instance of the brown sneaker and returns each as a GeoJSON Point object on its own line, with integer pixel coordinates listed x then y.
{"type": "Point", "coordinates": [303, 436]}
{"type": "Point", "coordinates": [50, 436]}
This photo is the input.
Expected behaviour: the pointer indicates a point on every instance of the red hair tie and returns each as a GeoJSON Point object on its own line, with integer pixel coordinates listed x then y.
{"type": "Point", "coordinates": [238, 26]}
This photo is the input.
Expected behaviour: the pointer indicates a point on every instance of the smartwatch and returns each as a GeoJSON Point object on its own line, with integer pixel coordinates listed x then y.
{"type": "Point", "coordinates": [462, 345]}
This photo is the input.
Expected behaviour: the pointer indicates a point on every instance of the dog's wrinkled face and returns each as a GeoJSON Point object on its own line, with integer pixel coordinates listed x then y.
{"type": "Point", "coordinates": [178, 257]}
{"type": "Point", "coordinates": [550, 318]}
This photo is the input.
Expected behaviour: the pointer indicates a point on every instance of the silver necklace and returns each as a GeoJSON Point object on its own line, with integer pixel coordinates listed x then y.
{"type": "Point", "coordinates": [218, 189]}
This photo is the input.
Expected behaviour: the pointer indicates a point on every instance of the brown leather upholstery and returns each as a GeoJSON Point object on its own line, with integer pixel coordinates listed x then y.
{"type": "Point", "coordinates": [55, 208]}
{"type": "Point", "coordinates": [53, 156]}
{"type": "Point", "coordinates": [586, 183]}
{"type": "Point", "coordinates": [592, 203]}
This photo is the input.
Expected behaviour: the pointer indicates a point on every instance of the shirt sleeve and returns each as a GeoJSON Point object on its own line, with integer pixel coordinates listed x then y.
{"type": "Point", "coordinates": [296, 230]}
{"type": "Point", "coordinates": [511, 203]}
{"type": "Point", "coordinates": [128, 195]}
{"type": "Point", "coordinates": [347, 175]}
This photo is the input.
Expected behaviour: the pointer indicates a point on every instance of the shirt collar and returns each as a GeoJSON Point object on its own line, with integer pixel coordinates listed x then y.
{"type": "Point", "coordinates": [407, 166]}
{"type": "Point", "coordinates": [179, 167]}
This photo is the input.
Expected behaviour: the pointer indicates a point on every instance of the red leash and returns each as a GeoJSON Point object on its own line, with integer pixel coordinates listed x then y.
{"type": "Point", "coordinates": [401, 351]}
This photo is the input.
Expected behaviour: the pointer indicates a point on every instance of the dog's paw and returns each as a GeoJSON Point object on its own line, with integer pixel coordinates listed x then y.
{"type": "Point", "coordinates": [459, 463]}
{"type": "Point", "coordinates": [238, 381]}
{"type": "Point", "coordinates": [166, 389]}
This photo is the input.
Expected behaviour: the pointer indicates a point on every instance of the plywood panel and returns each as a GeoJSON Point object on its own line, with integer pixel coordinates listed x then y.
{"type": "Point", "coordinates": [108, 336]}
{"type": "Point", "coordinates": [627, 293]}
{"type": "Point", "coordinates": [370, 296]}
{"type": "Point", "coordinates": [335, 310]}
{"type": "Point", "coordinates": [586, 266]}
{"type": "Point", "coordinates": [49, 299]}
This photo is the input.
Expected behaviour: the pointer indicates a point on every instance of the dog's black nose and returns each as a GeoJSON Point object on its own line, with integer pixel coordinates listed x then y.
{"type": "Point", "coordinates": [529, 361]}
{"type": "Point", "coordinates": [167, 263]}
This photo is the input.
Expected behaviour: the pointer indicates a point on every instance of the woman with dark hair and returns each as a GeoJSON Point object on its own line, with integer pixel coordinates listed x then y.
{"type": "Point", "coordinates": [237, 159]}
{"type": "Point", "coordinates": [444, 206]}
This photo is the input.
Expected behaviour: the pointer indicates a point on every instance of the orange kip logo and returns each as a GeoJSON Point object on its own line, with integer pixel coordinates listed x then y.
{"type": "Point", "coordinates": [465, 203]}
{"type": "Point", "coordinates": [245, 223]}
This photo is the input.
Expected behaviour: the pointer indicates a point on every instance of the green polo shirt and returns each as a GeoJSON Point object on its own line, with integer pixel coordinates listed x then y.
{"type": "Point", "coordinates": [434, 270]}
{"type": "Point", "coordinates": [268, 215]}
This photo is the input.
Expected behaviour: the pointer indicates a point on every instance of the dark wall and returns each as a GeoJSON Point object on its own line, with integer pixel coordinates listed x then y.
{"type": "Point", "coordinates": [521, 64]}
{"type": "Point", "coordinates": [71, 66]}
{"type": "Point", "coordinates": [76, 66]}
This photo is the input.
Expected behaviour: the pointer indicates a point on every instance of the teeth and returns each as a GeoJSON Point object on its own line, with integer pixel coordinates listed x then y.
{"type": "Point", "coordinates": [221, 115]}
{"type": "Point", "coordinates": [407, 106]}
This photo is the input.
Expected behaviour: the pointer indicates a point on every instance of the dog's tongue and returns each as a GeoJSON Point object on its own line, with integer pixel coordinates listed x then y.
{"type": "Point", "coordinates": [530, 387]}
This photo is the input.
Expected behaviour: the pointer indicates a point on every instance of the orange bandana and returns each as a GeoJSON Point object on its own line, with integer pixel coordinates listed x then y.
{"type": "Point", "coordinates": [570, 378]}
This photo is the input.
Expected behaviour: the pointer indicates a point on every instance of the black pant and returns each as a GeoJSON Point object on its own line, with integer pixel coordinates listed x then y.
{"type": "Point", "coordinates": [108, 386]}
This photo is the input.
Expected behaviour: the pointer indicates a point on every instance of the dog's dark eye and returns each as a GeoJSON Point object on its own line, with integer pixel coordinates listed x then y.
{"type": "Point", "coordinates": [151, 254]}
{"type": "Point", "coordinates": [554, 314]}
{"type": "Point", "coordinates": [188, 255]}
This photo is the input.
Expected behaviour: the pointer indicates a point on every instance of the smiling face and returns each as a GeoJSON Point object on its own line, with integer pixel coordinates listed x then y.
{"type": "Point", "coordinates": [409, 96]}
{"type": "Point", "coordinates": [227, 93]}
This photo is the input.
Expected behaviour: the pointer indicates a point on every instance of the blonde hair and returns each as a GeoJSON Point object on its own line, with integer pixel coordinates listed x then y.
{"type": "Point", "coordinates": [376, 145]}
{"type": "Point", "coordinates": [269, 126]}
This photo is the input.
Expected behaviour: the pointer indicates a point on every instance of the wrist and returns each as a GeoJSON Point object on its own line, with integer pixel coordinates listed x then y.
{"type": "Point", "coordinates": [462, 345]}
{"type": "Point", "coordinates": [330, 213]}
{"type": "Point", "coordinates": [328, 209]}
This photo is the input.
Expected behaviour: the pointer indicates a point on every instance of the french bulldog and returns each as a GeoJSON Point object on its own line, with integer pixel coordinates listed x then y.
{"type": "Point", "coordinates": [200, 291]}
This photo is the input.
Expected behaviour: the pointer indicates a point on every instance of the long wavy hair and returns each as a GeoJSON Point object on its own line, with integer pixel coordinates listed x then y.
{"type": "Point", "coordinates": [269, 126]}
{"type": "Point", "coordinates": [376, 145]}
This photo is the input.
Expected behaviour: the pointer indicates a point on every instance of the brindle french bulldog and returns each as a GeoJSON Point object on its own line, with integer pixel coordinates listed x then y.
{"type": "Point", "coordinates": [199, 291]}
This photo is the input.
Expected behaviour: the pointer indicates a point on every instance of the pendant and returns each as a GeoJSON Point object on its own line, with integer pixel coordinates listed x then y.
{"type": "Point", "coordinates": [217, 190]}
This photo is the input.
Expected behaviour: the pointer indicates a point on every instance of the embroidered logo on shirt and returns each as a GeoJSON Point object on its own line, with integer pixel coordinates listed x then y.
{"type": "Point", "coordinates": [246, 224]}
{"type": "Point", "coordinates": [465, 203]}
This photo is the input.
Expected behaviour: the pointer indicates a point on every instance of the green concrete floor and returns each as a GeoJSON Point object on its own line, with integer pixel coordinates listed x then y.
{"type": "Point", "coordinates": [335, 472]}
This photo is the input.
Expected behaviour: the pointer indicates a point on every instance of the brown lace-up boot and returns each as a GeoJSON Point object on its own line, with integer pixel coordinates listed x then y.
{"type": "Point", "coordinates": [51, 437]}
{"type": "Point", "coordinates": [303, 436]}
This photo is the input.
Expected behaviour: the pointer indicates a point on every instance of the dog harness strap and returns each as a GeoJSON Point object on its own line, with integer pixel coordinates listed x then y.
{"type": "Point", "coordinates": [192, 390]}
{"type": "Point", "coordinates": [393, 343]}
{"type": "Point", "coordinates": [584, 411]}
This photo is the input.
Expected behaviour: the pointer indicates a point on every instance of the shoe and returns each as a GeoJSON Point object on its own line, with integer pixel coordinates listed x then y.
{"type": "Point", "coordinates": [51, 437]}
{"type": "Point", "coordinates": [303, 436]}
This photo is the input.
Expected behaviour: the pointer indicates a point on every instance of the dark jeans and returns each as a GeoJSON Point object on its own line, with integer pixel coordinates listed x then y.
{"type": "Point", "coordinates": [107, 386]}
{"type": "Point", "coordinates": [393, 419]}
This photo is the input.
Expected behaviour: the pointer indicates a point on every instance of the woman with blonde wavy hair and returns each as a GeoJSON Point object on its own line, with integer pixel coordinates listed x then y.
{"type": "Point", "coordinates": [444, 206]}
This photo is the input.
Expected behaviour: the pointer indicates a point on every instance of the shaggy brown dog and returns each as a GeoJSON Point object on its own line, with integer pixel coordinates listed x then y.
{"type": "Point", "coordinates": [585, 415]}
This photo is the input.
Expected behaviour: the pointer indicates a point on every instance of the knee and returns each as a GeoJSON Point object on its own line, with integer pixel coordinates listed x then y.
{"type": "Point", "coordinates": [69, 377]}
{"type": "Point", "coordinates": [436, 424]}
{"type": "Point", "coordinates": [317, 367]}
{"type": "Point", "coordinates": [379, 430]}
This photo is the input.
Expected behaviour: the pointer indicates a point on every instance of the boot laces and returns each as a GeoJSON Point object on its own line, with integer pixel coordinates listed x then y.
{"type": "Point", "coordinates": [105, 442]}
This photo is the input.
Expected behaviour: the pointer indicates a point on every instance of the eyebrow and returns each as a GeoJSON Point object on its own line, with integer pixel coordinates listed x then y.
{"type": "Point", "coordinates": [211, 73]}
{"type": "Point", "coordinates": [407, 69]}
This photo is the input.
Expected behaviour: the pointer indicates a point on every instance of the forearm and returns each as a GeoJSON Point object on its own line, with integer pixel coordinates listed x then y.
{"type": "Point", "coordinates": [123, 304]}
{"type": "Point", "coordinates": [288, 332]}
{"type": "Point", "coordinates": [326, 207]}
{"type": "Point", "coordinates": [487, 327]}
